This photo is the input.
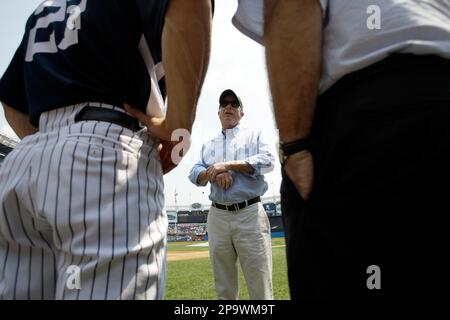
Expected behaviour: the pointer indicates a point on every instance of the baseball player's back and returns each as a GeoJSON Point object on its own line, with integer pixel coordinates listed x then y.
{"type": "Point", "coordinates": [78, 51]}
{"type": "Point", "coordinates": [81, 200]}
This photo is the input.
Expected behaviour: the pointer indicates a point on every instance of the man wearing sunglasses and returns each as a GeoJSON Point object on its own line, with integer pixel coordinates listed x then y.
{"type": "Point", "coordinates": [234, 162]}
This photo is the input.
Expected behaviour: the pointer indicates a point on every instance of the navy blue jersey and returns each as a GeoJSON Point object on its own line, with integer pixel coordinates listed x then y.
{"type": "Point", "coordinates": [76, 51]}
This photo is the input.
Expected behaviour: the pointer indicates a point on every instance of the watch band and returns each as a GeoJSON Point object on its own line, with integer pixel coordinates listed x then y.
{"type": "Point", "coordinates": [290, 148]}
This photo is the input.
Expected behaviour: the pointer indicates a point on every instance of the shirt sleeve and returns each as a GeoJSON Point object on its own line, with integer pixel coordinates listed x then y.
{"type": "Point", "coordinates": [12, 84]}
{"type": "Point", "coordinates": [198, 168]}
{"type": "Point", "coordinates": [263, 161]}
{"type": "Point", "coordinates": [324, 5]}
{"type": "Point", "coordinates": [249, 18]}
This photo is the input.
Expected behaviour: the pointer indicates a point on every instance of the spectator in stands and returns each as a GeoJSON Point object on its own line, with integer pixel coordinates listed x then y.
{"type": "Point", "coordinates": [234, 163]}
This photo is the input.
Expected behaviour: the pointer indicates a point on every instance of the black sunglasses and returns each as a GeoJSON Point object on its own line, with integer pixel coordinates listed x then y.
{"type": "Point", "coordinates": [234, 104]}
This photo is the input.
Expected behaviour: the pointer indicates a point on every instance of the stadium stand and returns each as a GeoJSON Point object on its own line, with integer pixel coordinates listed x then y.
{"type": "Point", "coordinates": [189, 223]}
{"type": "Point", "coordinates": [6, 146]}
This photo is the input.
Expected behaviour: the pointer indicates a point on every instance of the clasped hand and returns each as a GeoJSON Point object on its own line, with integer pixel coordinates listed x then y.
{"type": "Point", "coordinates": [218, 173]}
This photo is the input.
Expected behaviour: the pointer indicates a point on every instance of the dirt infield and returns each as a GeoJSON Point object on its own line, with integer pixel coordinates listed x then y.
{"type": "Point", "coordinates": [186, 255]}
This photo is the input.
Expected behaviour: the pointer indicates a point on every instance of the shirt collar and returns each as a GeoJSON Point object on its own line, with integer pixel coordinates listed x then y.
{"type": "Point", "coordinates": [233, 131]}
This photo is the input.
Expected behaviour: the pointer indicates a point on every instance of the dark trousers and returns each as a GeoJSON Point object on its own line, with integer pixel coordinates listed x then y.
{"type": "Point", "coordinates": [382, 186]}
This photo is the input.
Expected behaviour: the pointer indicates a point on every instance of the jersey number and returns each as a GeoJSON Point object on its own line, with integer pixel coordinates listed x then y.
{"type": "Point", "coordinates": [70, 14]}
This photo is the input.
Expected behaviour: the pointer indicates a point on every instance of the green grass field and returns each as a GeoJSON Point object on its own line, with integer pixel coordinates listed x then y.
{"type": "Point", "coordinates": [193, 279]}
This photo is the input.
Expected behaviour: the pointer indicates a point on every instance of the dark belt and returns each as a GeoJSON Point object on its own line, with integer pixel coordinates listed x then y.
{"type": "Point", "coordinates": [108, 115]}
{"type": "Point", "coordinates": [236, 206]}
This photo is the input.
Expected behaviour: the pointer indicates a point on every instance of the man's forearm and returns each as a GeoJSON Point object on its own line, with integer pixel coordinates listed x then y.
{"type": "Point", "coordinates": [293, 40]}
{"type": "Point", "coordinates": [221, 167]}
{"type": "Point", "coordinates": [186, 48]}
{"type": "Point", "coordinates": [19, 122]}
{"type": "Point", "coordinates": [240, 166]}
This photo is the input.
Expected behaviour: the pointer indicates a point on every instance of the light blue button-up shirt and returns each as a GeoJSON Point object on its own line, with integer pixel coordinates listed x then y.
{"type": "Point", "coordinates": [237, 143]}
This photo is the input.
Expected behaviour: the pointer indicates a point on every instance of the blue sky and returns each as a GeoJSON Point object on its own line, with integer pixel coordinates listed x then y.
{"type": "Point", "coordinates": [236, 62]}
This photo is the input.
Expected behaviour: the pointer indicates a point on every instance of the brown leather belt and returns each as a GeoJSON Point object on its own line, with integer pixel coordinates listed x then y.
{"type": "Point", "coordinates": [236, 206]}
{"type": "Point", "coordinates": [108, 115]}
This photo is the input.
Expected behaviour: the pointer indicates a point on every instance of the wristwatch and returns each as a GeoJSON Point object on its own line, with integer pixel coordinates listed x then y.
{"type": "Point", "coordinates": [287, 149]}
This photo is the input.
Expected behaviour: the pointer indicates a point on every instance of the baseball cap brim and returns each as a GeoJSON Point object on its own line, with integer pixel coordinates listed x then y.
{"type": "Point", "coordinates": [229, 93]}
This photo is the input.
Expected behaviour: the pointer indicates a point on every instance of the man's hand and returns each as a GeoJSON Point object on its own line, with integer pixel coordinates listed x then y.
{"type": "Point", "coordinates": [165, 154]}
{"type": "Point", "coordinates": [224, 180]}
{"type": "Point", "coordinates": [216, 169]}
{"type": "Point", "coordinates": [300, 169]}
{"type": "Point", "coordinates": [156, 126]}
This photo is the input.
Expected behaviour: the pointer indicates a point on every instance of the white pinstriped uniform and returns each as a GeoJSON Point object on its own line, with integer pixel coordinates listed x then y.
{"type": "Point", "coordinates": [86, 194]}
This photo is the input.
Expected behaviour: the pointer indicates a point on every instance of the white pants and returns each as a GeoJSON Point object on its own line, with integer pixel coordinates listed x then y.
{"type": "Point", "coordinates": [244, 234]}
{"type": "Point", "coordinates": [81, 213]}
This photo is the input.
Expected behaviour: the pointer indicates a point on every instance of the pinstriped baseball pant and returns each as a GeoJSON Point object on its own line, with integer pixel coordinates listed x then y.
{"type": "Point", "coordinates": [81, 213]}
